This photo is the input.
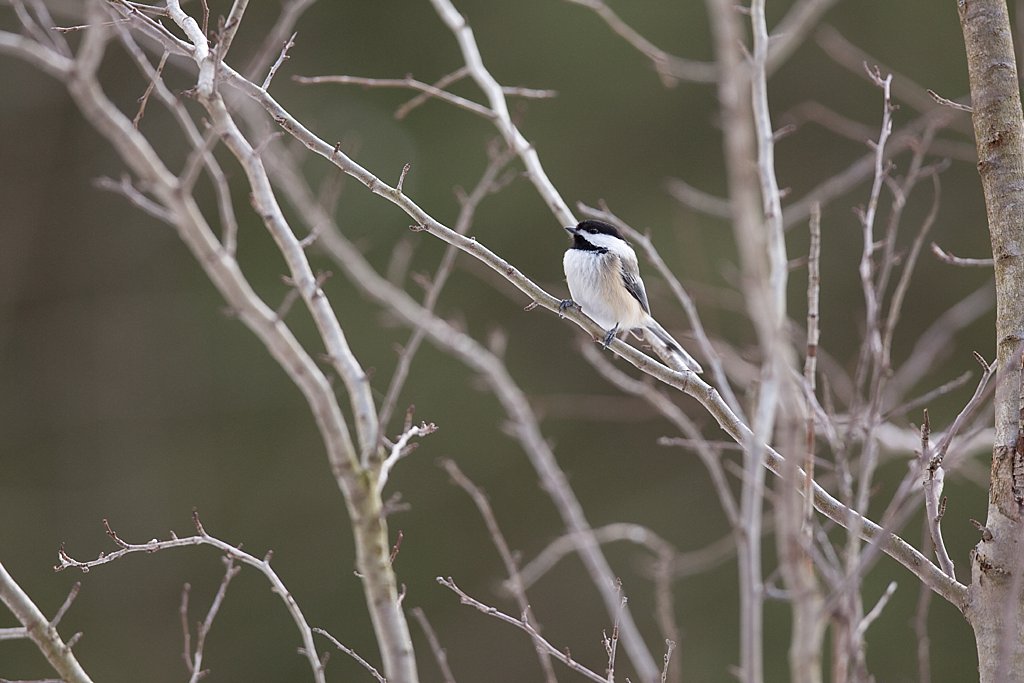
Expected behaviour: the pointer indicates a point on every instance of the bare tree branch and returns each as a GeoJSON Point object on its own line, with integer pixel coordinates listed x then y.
{"type": "Point", "coordinates": [351, 653]}
{"type": "Point", "coordinates": [407, 82]}
{"type": "Point", "coordinates": [524, 625]}
{"type": "Point", "coordinates": [952, 260]}
{"type": "Point", "coordinates": [514, 584]}
{"type": "Point", "coordinates": [460, 28]}
{"type": "Point", "coordinates": [65, 561]}
{"type": "Point", "coordinates": [280, 60]}
{"type": "Point", "coordinates": [671, 69]}
{"type": "Point", "coordinates": [195, 659]}
{"type": "Point", "coordinates": [934, 477]}
{"type": "Point", "coordinates": [40, 630]}
{"type": "Point", "coordinates": [440, 655]}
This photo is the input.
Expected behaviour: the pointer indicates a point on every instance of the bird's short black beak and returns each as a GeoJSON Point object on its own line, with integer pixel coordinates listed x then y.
{"type": "Point", "coordinates": [571, 229]}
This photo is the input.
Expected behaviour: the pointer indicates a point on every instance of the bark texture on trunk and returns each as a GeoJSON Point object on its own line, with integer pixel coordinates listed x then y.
{"type": "Point", "coordinates": [994, 607]}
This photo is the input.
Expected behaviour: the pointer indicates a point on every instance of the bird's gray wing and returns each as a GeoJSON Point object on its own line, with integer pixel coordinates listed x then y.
{"type": "Point", "coordinates": [634, 285]}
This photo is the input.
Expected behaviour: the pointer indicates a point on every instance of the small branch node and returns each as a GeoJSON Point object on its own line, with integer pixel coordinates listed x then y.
{"type": "Point", "coordinates": [986, 533]}
{"type": "Point", "coordinates": [396, 547]}
{"type": "Point", "coordinates": [401, 178]}
{"type": "Point", "coordinates": [949, 103]}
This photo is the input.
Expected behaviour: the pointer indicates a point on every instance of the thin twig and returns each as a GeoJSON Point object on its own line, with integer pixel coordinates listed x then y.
{"type": "Point", "coordinates": [197, 159]}
{"type": "Point", "coordinates": [231, 24]}
{"type": "Point", "coordinates": [292, 295]}
{"type": "Point", "coordinates": [611, 642]}
{"type": "Point", "coordinates": [876, 611]}
{"type": "Point", "coordinates": [401, 178]}
{"type": "Point", "coordinates": [186, 630]}
{"type": "Point", "coordinates": [72, 594]}
{"type": "Point", "coordinates": [280, 60]}
{"type": "Point", "coordinates": [811, 359]}
{"type": "Point", "coordinates": [125, 188]}
{"type": "Point", "coordinates": [670, 646]}
{"type": "Point", "coordinates": [952, 260]}
{"type": "Point", "coordinates": [400, 449]}
{"type": "Point", "coordinates": [149, 89]}
{"type": "Point", "coordinates": [836, 47]}
{"type": "Point", "coordinates": [351, 653]}
{"type": "Point", "coordinates": [979, 397]}
{"type": "Point", "coordinates": [936, 341]}
{"type": "Point", "coordinates": [196, 667]}
{"type": "Point", "coordinates": [831, 120]}
{"type": "Point", "coordinates": [13, 633]}
{"type": "Point", "coordinates": [697, 199]}
{"type": "Point", "coordinates": [201, 144]}
{"type": "Point", "coordinates": [43, 16]}
{"type": "Point", "coordinates": [682, 564]}
{"type": "Point", "coordinates": [32, 27]}
{"type": "Point", "coordinates": [670, 68]}
{"type": "Point", "coordinates": [291, 12]}
{"type": "Point", "coordinates": [523, 625]}
{"type": "Point", "coordinates": [439, 84]}
{"type": "Point", "coordinates": [440, 655]}
{"type": "Point", "coordinates": [909, 262]}
{"type": "Point", "coordinates": [871, 349]}
{"type": "Point", "coordinates": [82, 27]}
{"type": "Point", "coordinates": [490, 182]}
{"type": "Point", "coordinates": [206, 17]}
{"type": "Point", "coordinates": [934, 475]}
{"type": "Point", "coordinates": [928, 397]}
{"type": "Point", "coordinates": [949, 103]}
{"type": "Point", "coordinates": [407, 82]}
{"type": "Point", "coordinates": [514, 583]}
{"type": "Point", "coordinates": [924, 601]}
{"type": "Point", "coordinates": [65, 561]}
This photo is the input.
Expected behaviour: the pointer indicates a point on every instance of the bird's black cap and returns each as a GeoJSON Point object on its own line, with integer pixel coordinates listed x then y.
{"type": "Point", "coordinates": [591, 227]}
{"type": "Point", "coordinates": [595, 227]}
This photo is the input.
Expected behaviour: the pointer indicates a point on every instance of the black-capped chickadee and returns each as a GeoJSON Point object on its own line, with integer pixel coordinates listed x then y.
{"type": "Point", "coordinates": [604, 279]}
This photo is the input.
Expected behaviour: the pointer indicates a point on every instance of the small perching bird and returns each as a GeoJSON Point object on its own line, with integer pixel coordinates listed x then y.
{"type": "Point", "coordinates": [604, 279]}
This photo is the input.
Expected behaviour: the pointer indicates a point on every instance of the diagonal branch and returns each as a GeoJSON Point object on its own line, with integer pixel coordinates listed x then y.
{"type": "Point", "coordinates": [522, 624]}
{"type": "Point", "coordinates": [458, 25]}
{"type": "Point", "coordinates": [407, 82]}
{"type": "Point", "coordinates": [42, 631]}
{"type": "Point", "coordinates": [351, 653]}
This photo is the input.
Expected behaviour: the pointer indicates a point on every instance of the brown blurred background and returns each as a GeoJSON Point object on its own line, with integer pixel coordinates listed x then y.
{"type": "Point", "coordinates": [128, 394]}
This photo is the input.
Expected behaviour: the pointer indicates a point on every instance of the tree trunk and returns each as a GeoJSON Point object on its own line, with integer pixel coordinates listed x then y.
{"type": "Point", "coordinates": [994, 608]}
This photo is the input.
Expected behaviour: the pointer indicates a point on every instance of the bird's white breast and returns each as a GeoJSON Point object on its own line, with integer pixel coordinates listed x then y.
{"type": "Point", "coordinates": [595, 283]}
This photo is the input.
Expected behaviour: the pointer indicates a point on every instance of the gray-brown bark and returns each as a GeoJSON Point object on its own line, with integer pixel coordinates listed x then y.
{"type": "Point", "coordinates": [42, 632]}
{"type": "Point", "coordinates": [994, 608]}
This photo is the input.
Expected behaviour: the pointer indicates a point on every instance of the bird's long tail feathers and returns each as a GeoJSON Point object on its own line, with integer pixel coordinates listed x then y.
{"type": "Point", "coordinates": [662, 340]}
